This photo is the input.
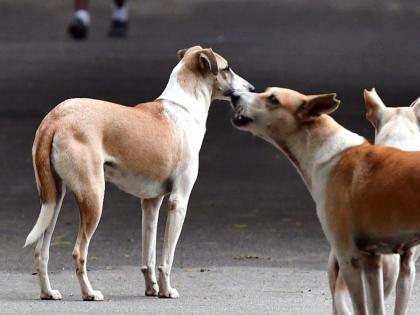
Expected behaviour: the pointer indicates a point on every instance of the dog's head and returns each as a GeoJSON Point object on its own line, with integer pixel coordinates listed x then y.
{"type": "Point", "coordinates": [208, 64]}
{"type": "Point", "coordinates": [278, 113]}
{"type": "Point", "coordinates": [394, 126]}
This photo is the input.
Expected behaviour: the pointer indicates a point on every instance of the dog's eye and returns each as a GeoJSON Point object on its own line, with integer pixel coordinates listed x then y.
{"type": "Point", "coordinates": [273, 100]}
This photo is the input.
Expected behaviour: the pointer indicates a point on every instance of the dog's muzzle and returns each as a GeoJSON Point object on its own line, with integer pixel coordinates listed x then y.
{"type": "Point", "coordinates": [235, 98]}
{"type": "Point", "coordinates": [241, 120]}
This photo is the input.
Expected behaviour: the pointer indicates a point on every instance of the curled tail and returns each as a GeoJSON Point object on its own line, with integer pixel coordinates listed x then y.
{"type": "Point", "coordinates": [45, 180]}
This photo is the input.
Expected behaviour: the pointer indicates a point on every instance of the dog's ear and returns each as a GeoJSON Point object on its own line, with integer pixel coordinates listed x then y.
{"type": "Point", "coordinates": [181, 52]}
{"type": "Point", "coordinates": [207, 61]}
{"type": "Point", "coordinates": [374, 106]}
{"type": "Point", "coordinates": [416, 107]}
{"type": "Point", "coordinates": [416, 103]}
{"type": "Point", "coordinates": [316, 105]}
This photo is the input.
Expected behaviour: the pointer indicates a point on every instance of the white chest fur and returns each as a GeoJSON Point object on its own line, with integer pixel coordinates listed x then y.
{"type": "Point", "coordinates": [135, 184]}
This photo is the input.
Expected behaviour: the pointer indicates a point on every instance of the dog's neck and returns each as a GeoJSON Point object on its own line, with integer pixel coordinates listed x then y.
{"type": "Point", "coordinates": [188, 93]}
{"type": "Point", "coordinates": [317, 145]}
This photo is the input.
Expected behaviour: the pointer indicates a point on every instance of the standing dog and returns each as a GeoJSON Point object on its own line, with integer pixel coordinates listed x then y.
{"type": "Point", "coordinates": [397, 127]}
{"type": "Point", "coordinates": [149, 151]}
{"type": "Point", "coordinates": [366, 195]}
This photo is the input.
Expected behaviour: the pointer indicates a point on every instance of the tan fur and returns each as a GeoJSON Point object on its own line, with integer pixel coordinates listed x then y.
{"type": "Point", "coordinates": [150, 151]}
{"type": "Point", "coordinates": [191, 57]}
{"type": "Point", "coordinates": [140, 139]}
{"type": "Point", "coordinates": [160, 143]}
{"type": "Point", "coordinates": [42, 164]}
{"type": "Point", "coordinates": [364, 193]}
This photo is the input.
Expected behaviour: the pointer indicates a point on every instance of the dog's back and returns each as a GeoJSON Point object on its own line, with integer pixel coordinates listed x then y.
{"type": "Point", "coordinates": [373, 191]}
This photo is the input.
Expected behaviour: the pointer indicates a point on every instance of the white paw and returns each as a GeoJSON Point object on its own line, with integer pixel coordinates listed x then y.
{"type": "Point", "coordinates": [95, 295]}
{"type": "Point", "coordinates": [153, 291]}
{"type": "Point", "coordinates": [52, 295]}
{"type": "Point", "coordinates": [172, 293]}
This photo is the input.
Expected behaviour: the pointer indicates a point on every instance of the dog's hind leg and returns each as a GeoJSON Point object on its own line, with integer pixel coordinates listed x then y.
{"type": "Point", "coordinates": [390, 269]}
{"type": "Point", "coordinates": [42, 251]}
{"type": "Point", "coordinates": [374, 282]}
{"type": "Point", "coordinates": [90, 201]}
{"type": "Point", "coordinates": [405, 282]}
{"type": "Point", "coordinates": [150, 210]}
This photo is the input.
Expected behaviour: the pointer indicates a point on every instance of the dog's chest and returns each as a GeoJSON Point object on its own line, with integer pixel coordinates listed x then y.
{"type": "Point", "coordinates": [136, 184]}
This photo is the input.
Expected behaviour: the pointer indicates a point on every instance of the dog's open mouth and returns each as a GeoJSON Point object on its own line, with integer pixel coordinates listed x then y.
{"type": "Point", "coordinates": [240, 120]}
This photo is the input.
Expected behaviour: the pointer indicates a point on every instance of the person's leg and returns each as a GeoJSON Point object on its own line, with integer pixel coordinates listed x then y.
{"type": "Point", "coordinates": [119, 3]}
{"type": "Point", "coordinates": [81, 5]}
{"type": "Point", "coordinates": [79, 26]}
{"type": "Point", "coordinates": [119, 19]}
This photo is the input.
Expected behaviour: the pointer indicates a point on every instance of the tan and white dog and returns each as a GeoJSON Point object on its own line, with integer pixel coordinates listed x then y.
{"type": "Point", "coordinates": [366, 195]}
{"type": "Point", "coordinates": [150, 151]}
{"type": "Point", "coordinates": [397, 127]}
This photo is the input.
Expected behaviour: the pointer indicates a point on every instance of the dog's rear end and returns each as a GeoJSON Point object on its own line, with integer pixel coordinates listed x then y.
{"type": "Point", "coordinates": [51, 193]}
{"type": "Point", "coordinates": [397, 127]}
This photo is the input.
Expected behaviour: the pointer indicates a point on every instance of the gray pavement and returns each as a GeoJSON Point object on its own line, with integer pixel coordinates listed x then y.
{"type": "Point", "coordinates": [215, 290]}
{"type": "Point", "coordinates": [251, 225]}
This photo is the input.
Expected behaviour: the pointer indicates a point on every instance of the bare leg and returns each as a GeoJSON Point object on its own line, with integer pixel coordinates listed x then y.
{"type": "Point", "coordinates": [42, 253]}
{"type": "Point", "coordinates": [119, 3]}
{"type": "Point", "coordinates": [90, 204]}
{"type": "Point", "coordinates": [150, 210]}
{"type": "Point", "coordinates": [79, 26]}
{"type": "Point", "coordinates": [374, 283]}
{"type": "Point", "coordinates": [81, 4]}
{"type": "Point", "coordinates": [119, 19]}
{"type": "Point", "coordinates": [405, 282]}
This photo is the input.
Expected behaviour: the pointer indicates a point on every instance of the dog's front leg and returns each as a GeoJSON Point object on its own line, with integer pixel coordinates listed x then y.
{"type": "Point", "coordinates": [150, 210]}
{"type": "Point", "coordinates": [374, 283]}
{"type": "Point", "coordinates": [338, 287]}
{"type": "Point", "coordinates": [351, 270]}
{"type": "Point", "coordinates": [405, 282]}
{"type": "Point", "coordinates": [177, 208]}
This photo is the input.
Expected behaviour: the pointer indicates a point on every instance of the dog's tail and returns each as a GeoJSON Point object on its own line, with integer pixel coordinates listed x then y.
{"type": "Point", "coordinates": [45, 179]}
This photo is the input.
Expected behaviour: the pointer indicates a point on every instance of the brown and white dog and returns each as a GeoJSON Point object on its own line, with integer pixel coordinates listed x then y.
{"type": "Point", "coordinates": [150, 151]}
{"type": "Point", "coordinates": [366, 195]}
{"type": "Point", "coordinates": [397, 127]}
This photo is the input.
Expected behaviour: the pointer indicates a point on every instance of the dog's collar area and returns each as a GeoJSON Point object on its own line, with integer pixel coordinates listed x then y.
{"type": "Point", "coordinates": [175, 106]}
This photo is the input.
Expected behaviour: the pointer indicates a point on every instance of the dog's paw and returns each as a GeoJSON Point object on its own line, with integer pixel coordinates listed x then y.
{"type": "Point", "coordinates": [172, 293]}
{"type": "Point", "coordinates": [153, 291]}
{"type": "Point", "coordinates": [52, 295]}
{"type": "Point", "coordinates": [95, 295]}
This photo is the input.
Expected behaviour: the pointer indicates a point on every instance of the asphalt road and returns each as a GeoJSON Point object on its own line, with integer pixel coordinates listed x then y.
{"type": "Point", "coordinates": [251, 225]}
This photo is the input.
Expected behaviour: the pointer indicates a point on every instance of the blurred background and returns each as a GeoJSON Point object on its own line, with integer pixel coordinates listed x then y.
{"type": "Point", "coordinates": [249, 207]}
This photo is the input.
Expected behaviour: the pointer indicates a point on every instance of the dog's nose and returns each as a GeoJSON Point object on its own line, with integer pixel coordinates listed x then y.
{"type": "Point", "coordinates": [251, 88]}
{"type": "Point", "coordinates": [234, 97]}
